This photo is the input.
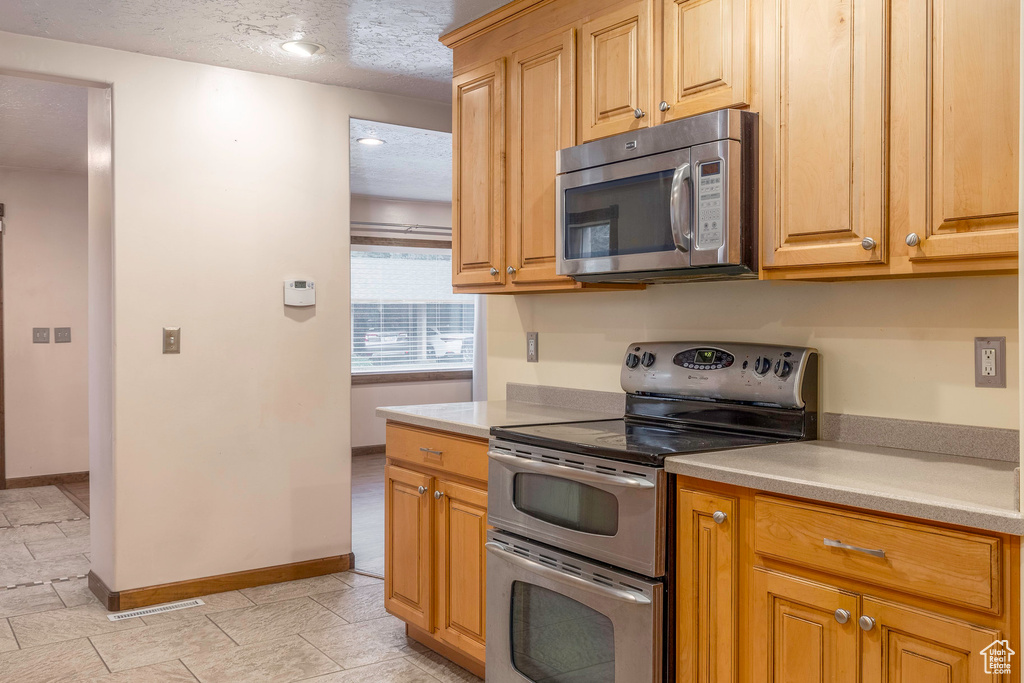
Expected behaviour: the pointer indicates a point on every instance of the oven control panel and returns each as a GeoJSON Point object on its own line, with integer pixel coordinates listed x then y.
{"type": "Point", "coordinates": [751, 373]}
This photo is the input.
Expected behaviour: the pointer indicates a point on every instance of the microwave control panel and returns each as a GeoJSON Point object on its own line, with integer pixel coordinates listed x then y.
{"type": "Point", "coordinates": [710, 206]}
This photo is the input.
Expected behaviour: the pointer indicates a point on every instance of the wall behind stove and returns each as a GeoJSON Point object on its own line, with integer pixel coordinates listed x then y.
{"type": "Point", "coordinates": [896, 348]}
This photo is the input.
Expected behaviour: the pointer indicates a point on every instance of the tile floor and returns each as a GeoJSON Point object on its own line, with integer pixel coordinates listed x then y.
{"type": "Point", "coordinates": [368, 512]}
{"type": "Point", "coordinates": [328, 629]}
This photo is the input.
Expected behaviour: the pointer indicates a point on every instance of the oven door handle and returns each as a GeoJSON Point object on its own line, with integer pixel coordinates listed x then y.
{"type": "Point", "coordinates": [680, 233]}
{"type": "Point", "coordinates": [554, 574]}
{"type": "Point", "coordinates": [571, 472]}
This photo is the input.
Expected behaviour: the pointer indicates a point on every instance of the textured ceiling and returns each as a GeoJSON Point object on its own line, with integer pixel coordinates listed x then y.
{"type": "Point", "coordinates": [42, 125]}
{"type": "Point", "coordinates": [411, 164]}
{"type": "Point", "coordinates": [382, 45]}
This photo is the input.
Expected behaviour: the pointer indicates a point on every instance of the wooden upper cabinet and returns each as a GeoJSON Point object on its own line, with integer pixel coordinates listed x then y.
{"type": "Point", "coordinates": [478, 177]}
{"type": "Point", "coordinates": [408, 572]}
{"type": "Point", "coordinates": [541, 121]}
{"type": "Point", "coordinates": [823, 132]}
{"type": "Point", "coordinates": [906, 645]}
{"type": "Point", "coordinates": [615, 72]}
{"type": "Point", "coordinates": [706, 56]}
{"type": "Point", "coordinates": [961, 99]}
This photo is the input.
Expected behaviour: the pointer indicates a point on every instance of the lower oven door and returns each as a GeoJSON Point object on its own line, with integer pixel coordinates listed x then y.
{"type": "Point", "coordinates": [556, 618]}
{"type": "Point", "coordinates": [610, 511]}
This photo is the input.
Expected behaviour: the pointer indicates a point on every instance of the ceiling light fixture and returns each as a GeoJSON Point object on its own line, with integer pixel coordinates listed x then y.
{"type": "Point", "coordinates": [302, 48]}
{"type": "Point", "coordinates": [372, 142]}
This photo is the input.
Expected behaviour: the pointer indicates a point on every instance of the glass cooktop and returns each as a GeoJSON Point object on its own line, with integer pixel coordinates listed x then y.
{"type": "Point", "coordinates": [627, 440]}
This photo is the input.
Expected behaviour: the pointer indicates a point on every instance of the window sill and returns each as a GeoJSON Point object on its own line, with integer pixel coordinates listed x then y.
{"type": "Point", "coordinates": [405, 377]}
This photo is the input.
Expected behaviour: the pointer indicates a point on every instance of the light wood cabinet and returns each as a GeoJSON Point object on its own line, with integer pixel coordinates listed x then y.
{"type": "Point", "coordinates": [706, 57]}
{"type": "Point", "coordinates": [615, 72]}
{"type": "Point", "coordinates": [435, 526]}
{"type": "Point", "coordinates": [708, 566]}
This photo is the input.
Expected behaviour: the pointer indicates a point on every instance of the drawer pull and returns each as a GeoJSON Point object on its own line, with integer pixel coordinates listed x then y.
{"type": "Point", "coordinates": [867, 551]}
{"type": "Point", "coordinates": [430, 450]}
{"type": "Point", "coordinates": [842, 616]}
{"type": "Point", "coordinates": [422, 490]}
{"type": "Point", "coordinates": [866, 623]}
{"type": "Point", "coordinates": [719, 517]}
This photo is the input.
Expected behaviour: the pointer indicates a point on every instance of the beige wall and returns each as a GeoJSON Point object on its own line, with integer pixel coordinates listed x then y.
{"type": "Point", "coordinates": [890, 348]}
{"type": "Point", "coordinates": [368, 429]}
{"type": "Point", "coordinates": [234, 454]}
{"type": "Point", "coordinates": [45, 271]}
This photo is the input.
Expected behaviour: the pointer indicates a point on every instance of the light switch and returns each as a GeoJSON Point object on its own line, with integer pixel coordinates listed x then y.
{"type": "Point", "coordinates": [40, 335]}
{"type": "Point", "coordinates": [990, 362]}
{"type": "Point", "coordinates": [62, 335]}
{"type": "Point", "coordinates": [172, 340]}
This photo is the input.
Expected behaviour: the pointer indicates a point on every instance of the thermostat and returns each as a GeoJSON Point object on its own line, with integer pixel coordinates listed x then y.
{"type": "Point", "coordinates": [299, 293]}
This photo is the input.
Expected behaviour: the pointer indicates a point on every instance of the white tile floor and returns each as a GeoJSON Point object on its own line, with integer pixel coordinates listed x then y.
{"type": "Point", "coordinates": [329, 629]}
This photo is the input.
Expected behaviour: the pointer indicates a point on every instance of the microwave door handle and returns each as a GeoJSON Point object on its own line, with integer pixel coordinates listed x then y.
{"type": "Point", "coordinates": [571, 472]}
{"type": "Point", "coordinates": [562, 577]}
{"type": "Point", "coordinates": [680, 232]}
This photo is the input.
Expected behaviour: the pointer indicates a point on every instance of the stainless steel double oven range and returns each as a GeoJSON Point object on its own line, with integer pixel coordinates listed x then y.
{"type": "Point", "coordinates": [580, 566]}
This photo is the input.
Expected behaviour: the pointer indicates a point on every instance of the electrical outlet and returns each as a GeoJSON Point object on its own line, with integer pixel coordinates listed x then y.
{"type": "Point", "coordinates": [990, 362]}
{"type": "Point", "coordinates": [62, 335]}
{"type": "Point", "coordinates": [40, 335]}
{"type": "Point", "coordinates": [531, 347]}
{"type": "Point", "coordinates": [172, 340]}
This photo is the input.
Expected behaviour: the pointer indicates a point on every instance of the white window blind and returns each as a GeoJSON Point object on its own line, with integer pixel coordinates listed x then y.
{"type": "Point", "coordinates": [404, 314]}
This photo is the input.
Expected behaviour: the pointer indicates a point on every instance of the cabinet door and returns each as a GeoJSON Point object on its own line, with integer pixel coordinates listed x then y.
{"type": "Point", "coordinates": [615, 72]}
{"type": "Point", "coordinates": [706, 56]}
{"type": "Point", "coordinates": [461, 566]}
{"type": "Point", "coordinates": [906, 645]}
{"type": "Point", "coordinates": [408, 536]}
{"type": "Point", "coordinates": [962, 107]}
{"type": "Point", "coordinates": [708, 601]}
{"type": "Point", "coordinates": [542, 121]}
{"type": "Point", "coordinates": [797, 634]}
{"type": "Point", "coordinates": [478, 178]}
{"type": "Point", "coordinates": [823, 136]}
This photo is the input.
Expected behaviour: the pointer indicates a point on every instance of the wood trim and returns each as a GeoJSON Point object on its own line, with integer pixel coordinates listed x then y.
{"type": "Point", "coordinates": [359, 379]}
{"type": "Point", "coordinates": [374, 449]}
{"type": "Point", "coordinates": [445, 650]}
{"type": "Point", "coordinates": [398, 242]}
{"type": "Point", "coordinates": [116, 601]}
{"type": "Point", "coordinates": [48, 480]}
{"type": "Point", "coordinates": [491, 20]}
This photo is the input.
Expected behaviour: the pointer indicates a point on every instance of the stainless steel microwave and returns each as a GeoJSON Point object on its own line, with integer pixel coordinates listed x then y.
{"type": "Point", "coordinates": [673, 202]}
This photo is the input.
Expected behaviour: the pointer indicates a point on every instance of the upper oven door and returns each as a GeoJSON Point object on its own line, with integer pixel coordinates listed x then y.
{"type": "Point", "coordinates": [612, 512]}
{"type": "Point", "coordinates": [627, 216]}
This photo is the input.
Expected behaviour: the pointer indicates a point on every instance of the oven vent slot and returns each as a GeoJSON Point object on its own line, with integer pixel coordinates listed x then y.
{"type": "Point", "coordinates": [572, 569]}
{"type": "Point", "coordinates": [549, 561]}
{"type": "Point", "coordinates": [604, 581]}
{"type": "Point", "coordinates": [630, 587]}
{"type": "Point", "coordinates": [605, 468]}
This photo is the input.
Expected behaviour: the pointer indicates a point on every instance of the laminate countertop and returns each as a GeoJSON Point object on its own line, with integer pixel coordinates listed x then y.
{"type": "Point", "coordinates": [475, 418]}
{"type": "Point", "coordinates": [972, 492]}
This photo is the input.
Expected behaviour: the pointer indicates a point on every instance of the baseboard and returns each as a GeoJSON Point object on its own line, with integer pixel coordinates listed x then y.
{"type": "Point", "coordinates": [116, 601]}
{"type": "Point", "coordinates": [367, 450]}
{"type": "Point", "coordinates": [48, 480]}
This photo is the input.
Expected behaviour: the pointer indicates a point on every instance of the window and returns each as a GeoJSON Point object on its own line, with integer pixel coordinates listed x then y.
{"type": "Point", "coordinates": [404, 314]}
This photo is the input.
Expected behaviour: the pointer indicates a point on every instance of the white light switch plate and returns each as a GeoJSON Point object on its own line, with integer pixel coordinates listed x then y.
{"type": "Point", "coordinates": [990, 362]}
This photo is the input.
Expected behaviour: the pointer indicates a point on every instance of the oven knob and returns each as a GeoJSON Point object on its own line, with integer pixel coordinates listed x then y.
{"type": "Point", "coordinates": [782, 369]}
{"type": "Point", "coordinates": [632, 360]}
{"type": "Point", "coordinates": [647, 360]}
{"type": "Point", "coordinates": [762, 365]}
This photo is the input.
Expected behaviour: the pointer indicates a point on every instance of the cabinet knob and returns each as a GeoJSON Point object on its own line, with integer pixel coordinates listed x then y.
{"type": "Point", "coordinates": [437, 495]}
{"type": "Point", "coordinates": [913, 240]}
{"type": "Point", "coordinates": [639, 113]}
{"type": "Point", "coordinates": [510, 270]}
{"type": "Point", "coordinates": [719, 517]}
{"type": "Point", "coordinates": [664, 106]}
{"type": "Point", "coordinates": [494, 271]}
{"type": "Point", "coordinates": [868, 243]}
{"type": "Point", "coordinates": [842, 616]}
{"type": "Point", "coordinates": [422, 490]}
{"type": "Point", "coordinates": [866, 623]}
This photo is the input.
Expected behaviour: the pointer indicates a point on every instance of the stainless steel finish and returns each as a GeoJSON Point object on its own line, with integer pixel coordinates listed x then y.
{"type": "Point", "coordinates": [866, 623]}
{"type": "Point", "coordinates": [510, 270]}
{"type": "Point", "coordinates": [571, 472]}
{"type": "Point", "coordinates": [843, 546]}
{"type": "Point", "coordinates": [633, 604]}
{"type": "Point", "coordinates": [494, 271]}
{"type": "Point", "coordinates": [544, 570]}
{"type": "Point", "coordinates": [719, 517]}
{"type": "Point", "coordinates": [678, 215]}
{"type": "Point", "coordinates": [664, 106]}
{"type": "Point", "coordinates": [729, 153]}
{"type": "Point", "coordinates": [913, 240]}
{"type": "Point", "coordinates": [842, 616]}
{"type": "Point", "coordinates": [734, 383]}
{"type": "Point", "coordinates": [422, 490]}
{"type": "Point", "coordinates": [868, 243]}
{"type": "Point", "coordinates": [638, 543]}
{"type": "Point", "coordinates": [437, 495]}
{"type": "Point", "coordinates": [431, 451]}
{"type": "Point", "coordinates": [638, 113]}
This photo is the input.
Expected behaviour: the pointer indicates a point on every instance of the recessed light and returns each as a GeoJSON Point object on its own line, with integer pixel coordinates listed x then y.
{"type": "Point", "coordinates": [302, 48]}
{"type": "Point", "coordinates": [372, 142]}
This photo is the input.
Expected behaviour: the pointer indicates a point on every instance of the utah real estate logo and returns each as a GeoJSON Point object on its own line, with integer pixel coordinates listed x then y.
{"type": "Point", "coordinates": [997, 657]}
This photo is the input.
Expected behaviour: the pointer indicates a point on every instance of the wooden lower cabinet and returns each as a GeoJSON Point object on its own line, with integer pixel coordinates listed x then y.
{"type": "Point", "coordinates": [435, 526]}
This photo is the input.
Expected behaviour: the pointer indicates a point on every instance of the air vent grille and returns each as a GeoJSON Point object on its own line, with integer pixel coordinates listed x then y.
{"type": "Point", "coordinates": [150, 611]}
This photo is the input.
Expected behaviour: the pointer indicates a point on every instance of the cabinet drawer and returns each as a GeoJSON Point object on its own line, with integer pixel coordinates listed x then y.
{"type": "Point", "coordinates": [438, 450]}
{"type": "Point", "coordinates": [949, 566]}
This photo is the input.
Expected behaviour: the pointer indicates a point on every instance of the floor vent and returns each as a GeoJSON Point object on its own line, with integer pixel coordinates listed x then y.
{"type": "Point", "coordinates": [150, 611]}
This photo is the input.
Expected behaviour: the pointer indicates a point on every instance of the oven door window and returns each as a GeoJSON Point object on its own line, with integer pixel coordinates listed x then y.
{"type": "Point", "coordinates": [630, 216]}
{"type": "Point", "coordinates": [556, 639]}
{"type": "Point", "coordinates": [566, 503]}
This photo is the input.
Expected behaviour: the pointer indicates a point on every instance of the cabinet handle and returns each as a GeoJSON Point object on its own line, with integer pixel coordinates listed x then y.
{"type": "Point", "coordinates": [664, 106]}
{"type": "Point", "coordinates": [510, 270]}
{"type": "Point", "coordinates": [430, 450]}
{"type": "Point", "coordinates": [494, 271]}
{"type": "Point", "coordinates": [639, 113]}
{"type": "Point", "coordinates": [866, 623]}
{"type": "Point", "coordinates": [913, 240]}
{"type": "Point", "coordinates": [867, 243]}
{"type": "Point", "coordinates": [437, 495]}
{"type": "Point", "coordinates": [422, 490]}
{"type": "Point", "coordinates": [842, 616]}
{"type": "Point", "coordinates": [867, 551]}
{"type": "Point", "coordinates": [719, 517]}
